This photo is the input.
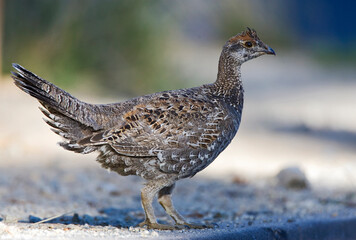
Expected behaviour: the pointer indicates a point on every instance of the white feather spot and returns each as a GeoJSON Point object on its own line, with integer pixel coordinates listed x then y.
{"type": "Point", "coordinates": [151, 162]}
{"type": "Point", "coordinates": [73, 145]}
{"type": "Point", "coordinates": [54, 117]}
{"type": "Point", "coordinates": [192, 144]}
{"type": "Point", "coordinates": [174, 156]}
{"type": "Point", "coordinates": [192, 162]}
{"type": "Point", "coordinates": [160, 157]}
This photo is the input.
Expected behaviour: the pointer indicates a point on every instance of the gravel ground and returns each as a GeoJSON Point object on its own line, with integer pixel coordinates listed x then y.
{"type": "Point", "coordinates": [99, 204]}
{"type": "Point", "coordinates": [238, 192]}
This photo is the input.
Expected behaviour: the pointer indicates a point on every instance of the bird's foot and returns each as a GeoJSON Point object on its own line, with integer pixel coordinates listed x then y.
{"type": "Point", "coordinates": [178, 226]}
{"type": "Point", "coordinates": [196, 226]}
{"type": "Point", "coordinates": [158, 226]}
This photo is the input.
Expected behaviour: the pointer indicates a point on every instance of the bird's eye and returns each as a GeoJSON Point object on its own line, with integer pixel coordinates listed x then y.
{"type": "Point", "coordinates": [248, 44]}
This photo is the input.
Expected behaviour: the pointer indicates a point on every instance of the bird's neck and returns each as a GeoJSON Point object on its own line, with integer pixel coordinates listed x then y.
{"type": "Point", "coordinates": [228, 83]}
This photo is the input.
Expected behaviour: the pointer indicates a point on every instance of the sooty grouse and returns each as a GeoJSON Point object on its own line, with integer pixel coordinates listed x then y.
{"type": "Point", "coordinates": [162, 137]}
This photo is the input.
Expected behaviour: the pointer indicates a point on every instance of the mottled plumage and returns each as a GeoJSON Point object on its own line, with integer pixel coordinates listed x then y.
{"type": "Point", "coordinates": [162, 137]}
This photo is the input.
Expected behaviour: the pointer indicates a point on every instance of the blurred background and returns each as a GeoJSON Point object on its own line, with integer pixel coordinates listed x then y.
{"type": "Point", "coordinates": [300, 105]}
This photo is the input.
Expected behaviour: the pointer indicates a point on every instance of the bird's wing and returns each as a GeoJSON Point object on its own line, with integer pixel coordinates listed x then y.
{"type": "Point", "coordinates": [166, 123]}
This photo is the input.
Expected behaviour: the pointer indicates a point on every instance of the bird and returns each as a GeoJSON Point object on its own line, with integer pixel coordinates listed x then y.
{"type": "Point", "coordinates": [162, 137]}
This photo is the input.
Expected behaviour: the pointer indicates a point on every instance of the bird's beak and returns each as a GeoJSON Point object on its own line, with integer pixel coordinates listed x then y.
{"type": "Point", "coordinates": [269, 51]}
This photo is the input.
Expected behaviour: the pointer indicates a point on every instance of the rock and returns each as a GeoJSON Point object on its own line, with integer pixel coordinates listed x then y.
{"type": "Point", "coordinates": [33, 219]}
{"type": "Point", "coordinates": [75, 218]}
{"type": "Point", "coordinates": [293, 178]}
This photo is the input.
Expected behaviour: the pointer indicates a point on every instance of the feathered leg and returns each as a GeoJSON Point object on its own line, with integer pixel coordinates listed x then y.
{"type": "Point", "coordinates": [164, 198]}
{"type": "Point", "coordinates": [147, 195]}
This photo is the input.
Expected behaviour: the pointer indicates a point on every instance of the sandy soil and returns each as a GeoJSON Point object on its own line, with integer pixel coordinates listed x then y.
{"type": "Point", "coordinates": [296, 114]}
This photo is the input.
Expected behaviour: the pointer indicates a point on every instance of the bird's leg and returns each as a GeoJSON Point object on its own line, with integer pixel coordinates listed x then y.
{"type": "Point", "coordinates": [164, 198]}
{"type": "Point", "coordinates": [147, 194]}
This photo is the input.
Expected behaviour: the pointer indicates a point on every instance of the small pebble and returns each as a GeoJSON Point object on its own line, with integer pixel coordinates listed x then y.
{"type": "Point", "coordinates": [154, 234]}
{"type": "Point", "coordinates": [292, 178]}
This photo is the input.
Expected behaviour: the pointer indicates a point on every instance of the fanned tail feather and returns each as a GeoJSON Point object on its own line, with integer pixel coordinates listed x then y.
{"type": "Point", "coordinates": [67, 116]}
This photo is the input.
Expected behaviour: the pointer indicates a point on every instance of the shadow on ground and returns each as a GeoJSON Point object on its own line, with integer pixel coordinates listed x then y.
{"type": "Point", "coordinates": [112, 217]}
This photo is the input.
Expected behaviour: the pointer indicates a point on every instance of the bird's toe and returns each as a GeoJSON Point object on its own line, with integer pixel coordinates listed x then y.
{"type": "Point", "coordinates": [158, 226]}
{"type": "Point", "coordinates": [196, 225]}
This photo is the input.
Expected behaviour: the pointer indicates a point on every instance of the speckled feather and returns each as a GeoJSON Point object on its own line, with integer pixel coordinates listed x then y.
{"type": "Point", "coordinates": [176, 133]}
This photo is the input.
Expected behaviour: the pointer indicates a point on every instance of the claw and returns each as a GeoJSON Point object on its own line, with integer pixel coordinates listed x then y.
{"type": "Point", "coordinates": [197, 226]}
{"type": "Point", "coordinates": [158, 226]}
{"type": "Point", "coordinates": [185, 225]}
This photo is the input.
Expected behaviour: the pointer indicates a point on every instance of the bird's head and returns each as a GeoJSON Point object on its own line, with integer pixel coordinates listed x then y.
{"type": "Point", "coordinates": [245, 46]}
